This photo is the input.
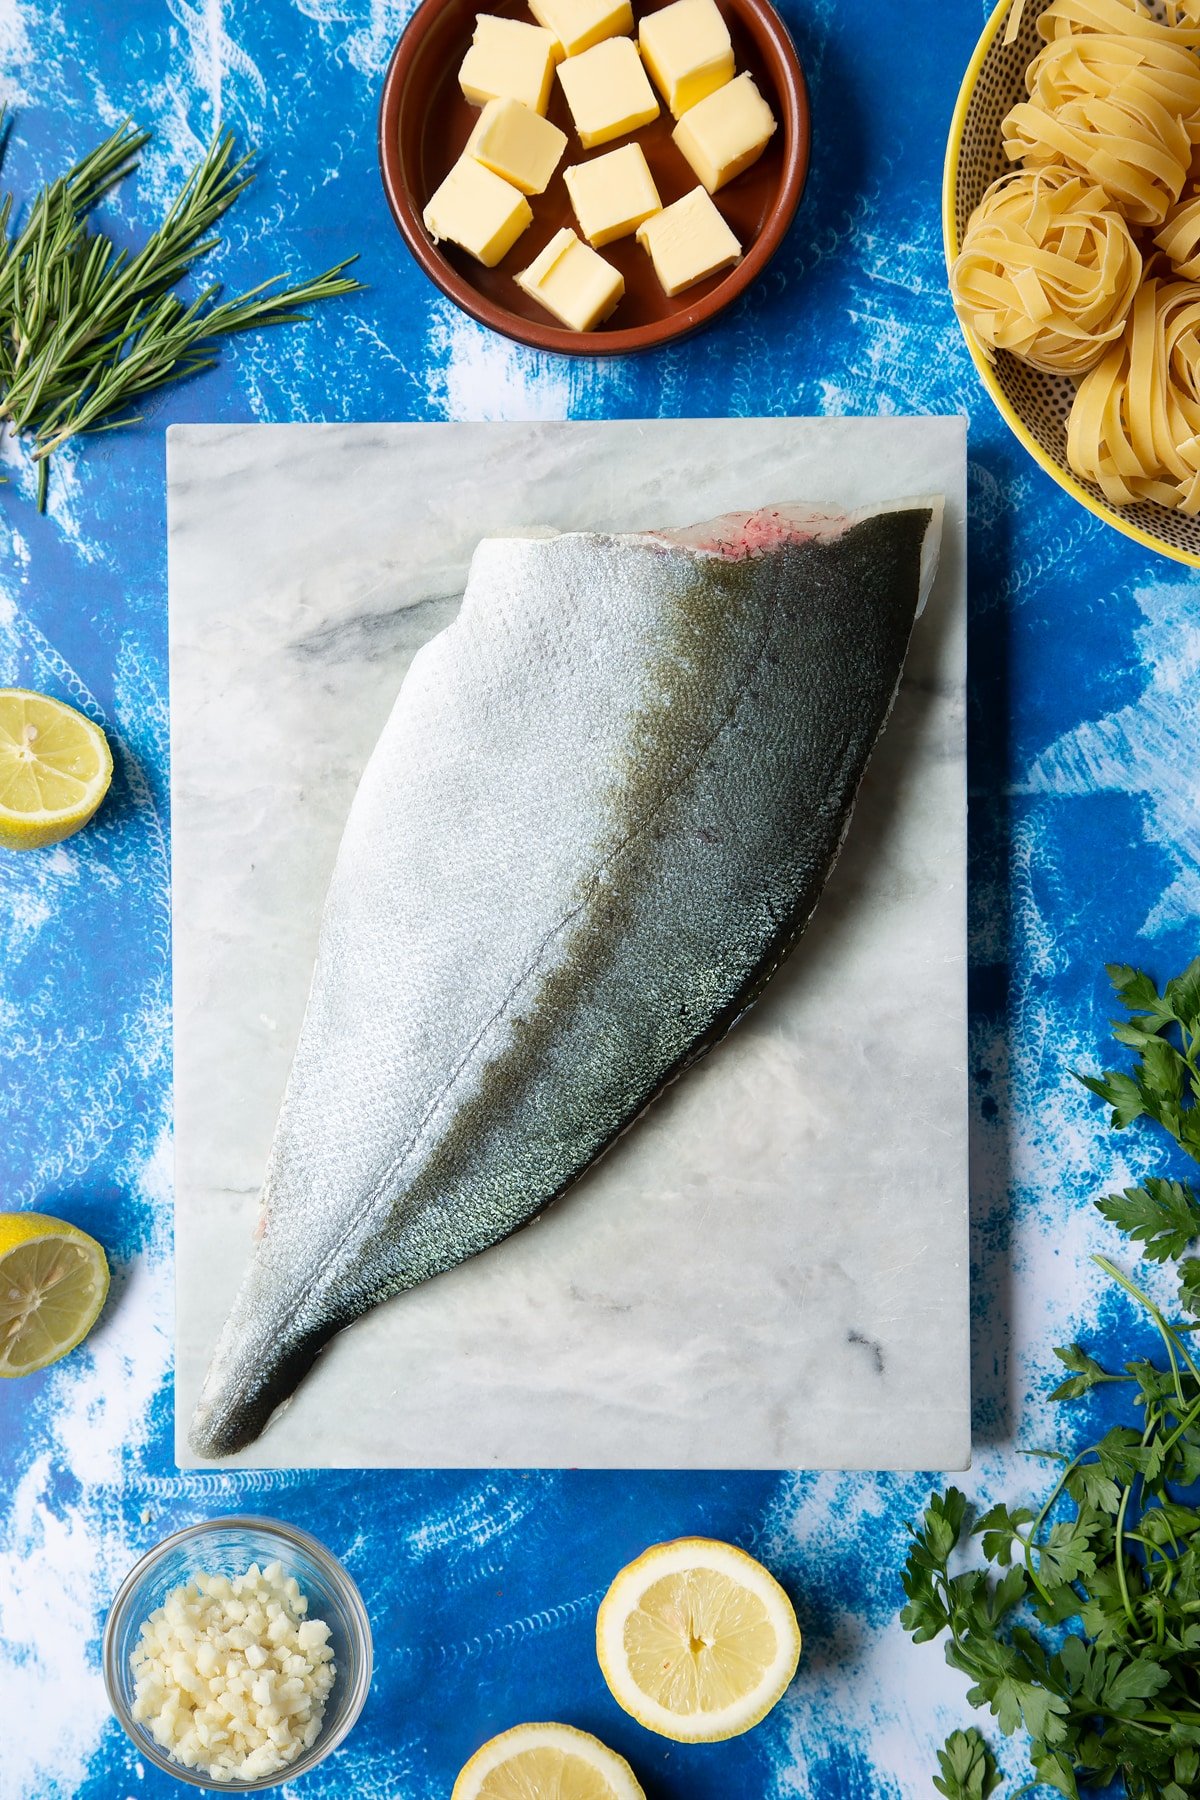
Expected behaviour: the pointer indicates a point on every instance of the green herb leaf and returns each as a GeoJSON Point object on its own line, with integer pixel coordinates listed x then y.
{"type": "Point", "coordinates": [1068, 1552]}
{"type": "Point", "coordinates": [1055, 1771]}
{"type": "Point", "coordinates": [1121, 1092]}
{"type": "Point", "coordinates": [1088, 1485]}
{"type": "Point", "coordinates": [1137, 992]}
{"type": "Point", "coordinates": [1088, 1373]}
{"type": "Point", "coordinates": [1000, 1530]}
{"type": "Point", "coordinates": [968, 1768]}
{"type": "Point", "coordinates": [1189, 1285]}
{"type": "Point", "coordinates": [1182, 996]}
{"type": "Point", "coordinates": [1162, 1216]}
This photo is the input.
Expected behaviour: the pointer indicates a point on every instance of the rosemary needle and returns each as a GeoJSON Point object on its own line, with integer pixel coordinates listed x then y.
{"type": "Point", "coordinates": [86, 329]}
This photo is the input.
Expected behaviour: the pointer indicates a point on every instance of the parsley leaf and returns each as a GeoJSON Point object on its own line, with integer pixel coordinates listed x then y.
{"type": "Point", "coordinates": [1088, 1373]}
{"type": "Point", "coordinates": [1088, 1485]}
{"type": "Point", "coordinates": [968, 1768]}
{"type": "Point", "coordinates": [1162, 1216]}
{"type": "Point", "coordinates": [1189, 1285]}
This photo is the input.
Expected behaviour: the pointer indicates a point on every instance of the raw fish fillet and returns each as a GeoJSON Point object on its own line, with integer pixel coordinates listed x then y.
{"type": "Point", "coordinates": [601, 813]}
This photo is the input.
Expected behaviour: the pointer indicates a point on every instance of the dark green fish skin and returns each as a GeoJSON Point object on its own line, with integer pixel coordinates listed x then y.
{"type": "Point", "coordinates": [691, 835]}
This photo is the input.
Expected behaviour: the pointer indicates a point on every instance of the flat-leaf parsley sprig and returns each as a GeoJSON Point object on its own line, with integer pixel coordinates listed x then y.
{"type": "Point", "coordinates": [86, 330]}
{"type": "Point", "coordinates": [1080, 1621]}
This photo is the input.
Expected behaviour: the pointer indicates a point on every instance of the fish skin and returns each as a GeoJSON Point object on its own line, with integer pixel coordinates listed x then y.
{"type": "Point", "coordinates": [600, 815]}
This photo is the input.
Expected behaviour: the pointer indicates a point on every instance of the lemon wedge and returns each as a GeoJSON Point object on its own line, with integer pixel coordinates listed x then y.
{"type": "Point", "coordinates": [53, 1280]}
{"type": "Point", "coordinates": [546, 1762]}
{"type": "Point", "coordinates": [696, 1640]}
{"type": "Point", "coordinates": [55, 767]}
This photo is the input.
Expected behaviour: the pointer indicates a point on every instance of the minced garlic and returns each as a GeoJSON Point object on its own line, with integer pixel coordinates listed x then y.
{"type": "Point", "coordinates": [229, 1675]}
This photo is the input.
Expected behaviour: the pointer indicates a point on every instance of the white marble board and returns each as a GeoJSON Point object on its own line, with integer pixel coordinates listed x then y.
{"type": "Point", "coordinates": [770, 1270]}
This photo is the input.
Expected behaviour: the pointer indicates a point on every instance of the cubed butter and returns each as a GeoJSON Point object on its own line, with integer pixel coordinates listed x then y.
{"type": "Point", "coordinates": [607, 91]}
{"type": "Point", "coordinates": [688, 241]}
{"type": "Point", "coordinates": [509, 60]}
{"type": "Point", "coordinates": [572, 282]}
{"type": "Point", "coordinates": [612, 194]}
{"type": "Point", "coordinates": [578, 24]}
{"type": "Point", "coordinates": [725, 133]}
{"type": "Point", "coordinates": [512, 140]}
{"type": "Point", "coordinates": [479, 211]}
{"type": "Point", "coordinates": [687, 49]}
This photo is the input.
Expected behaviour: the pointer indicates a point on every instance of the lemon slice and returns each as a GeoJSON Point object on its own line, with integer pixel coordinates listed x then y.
{"type": "Point", "coordinates": [55, 767]}
{"type": "Point", "coordinates": [697, 1640]}
{"type": "Point", "coordinates": [546, 1762]}
{"type": "Point", "coordinates": [53, 1279]}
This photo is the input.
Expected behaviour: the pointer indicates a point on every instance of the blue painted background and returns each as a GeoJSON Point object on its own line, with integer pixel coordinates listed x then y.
{"type": "Point", "coordinates": [1085, 691]}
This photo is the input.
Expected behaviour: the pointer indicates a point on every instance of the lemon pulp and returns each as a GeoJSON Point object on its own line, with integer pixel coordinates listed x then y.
{"type": "Point", "coordinates": [540, 1774]}
{"type": "Point", "coordinates": [697, 1642]}
{"type": "Point", "coordinates": [55, 769]}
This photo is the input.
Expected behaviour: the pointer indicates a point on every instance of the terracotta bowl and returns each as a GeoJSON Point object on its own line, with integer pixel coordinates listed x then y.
{"type": "Point", "coordinates": [424, 123]}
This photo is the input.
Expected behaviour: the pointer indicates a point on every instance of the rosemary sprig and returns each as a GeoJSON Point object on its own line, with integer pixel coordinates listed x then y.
{"type": "Point", "coordinates": [86, 329]}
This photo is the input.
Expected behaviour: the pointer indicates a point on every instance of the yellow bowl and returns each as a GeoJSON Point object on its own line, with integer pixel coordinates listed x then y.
{"type": "Point", "coordinates": [1034, 406]}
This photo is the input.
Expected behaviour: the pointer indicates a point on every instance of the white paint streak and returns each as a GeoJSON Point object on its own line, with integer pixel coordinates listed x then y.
{"type": "Point", "coordinates": [1150, 748]}
{"type": "Point", "coordinates": [371, 47]}
{"type": "Point", "coordinates": [213, 53]}
{"type": "Point", "coordinates": [476, 374]}
{"type": "Point", "coordinates": [16, 53]}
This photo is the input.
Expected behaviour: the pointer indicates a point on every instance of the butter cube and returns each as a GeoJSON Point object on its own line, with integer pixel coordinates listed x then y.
{"type": "Point", "coordinates": [612, 194]}
{"type": "Point", "coordinates": [572, 282]}
{"type": "Point", "coordinates": [509, 60]}
{"type": "Point", "coordinates": [578, 24]}
{"type": "Point", "coordinates": [513, 141]}
{"type": "Point", "coordinates": [725, 133]}
{"type": "Point", "coordinates": [607, 91]}
{"type": "Point", "coordinates": [688, 241]}
{"type": "Point", "coordinates": [477, 210]}
{"type": "Point", "coordinates": [687, 49]}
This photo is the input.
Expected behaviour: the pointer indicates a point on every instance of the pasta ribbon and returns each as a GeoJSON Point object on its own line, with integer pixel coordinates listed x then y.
{"type": "Point", "coordinates": [1115, 111]}
{"type": "Point", "coordinates": [1134, 427]}
{"type": "Point", "coordinates": [1179, 238]}
{"type": "Point", "coordinates": [1125, 18]}
{"type": "Point", "coordinates": [1048, 270]}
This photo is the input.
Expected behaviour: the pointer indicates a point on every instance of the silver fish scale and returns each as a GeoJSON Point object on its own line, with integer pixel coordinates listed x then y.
{"type": "Point", "coordinates": [603, 808]}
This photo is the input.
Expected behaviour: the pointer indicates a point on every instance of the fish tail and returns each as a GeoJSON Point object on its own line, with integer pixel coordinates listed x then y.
{"type": "Point", "coordinates": [253, 1373]}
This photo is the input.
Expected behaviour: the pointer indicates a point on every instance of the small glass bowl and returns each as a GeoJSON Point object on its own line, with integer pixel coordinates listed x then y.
{"type": "Point", "coordinates": [228, 1547]}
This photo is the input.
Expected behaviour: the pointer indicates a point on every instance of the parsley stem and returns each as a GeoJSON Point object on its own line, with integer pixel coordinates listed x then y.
{"type": "Point", "coordinates": [1164, 1330]}
{"type": "Point", "coordinates": [1186, 1419]}
{"type": "Point", "coordinates": [1119, 1558]}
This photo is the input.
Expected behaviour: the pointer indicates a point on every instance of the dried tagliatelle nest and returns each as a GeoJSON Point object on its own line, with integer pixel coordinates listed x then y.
{"type": "Point", "coordinates": [1073, 262]}
{"type": "Point", "coordinates": [1120, 110]}
{"type": "Point", "coordinates": [1135, 424]}
{"type": "Point", "coordinates": [1048, 270]}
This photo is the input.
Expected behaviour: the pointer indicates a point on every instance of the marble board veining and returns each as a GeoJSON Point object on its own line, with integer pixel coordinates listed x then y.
{"type": "Point", "coordinates": [770, 1269]}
